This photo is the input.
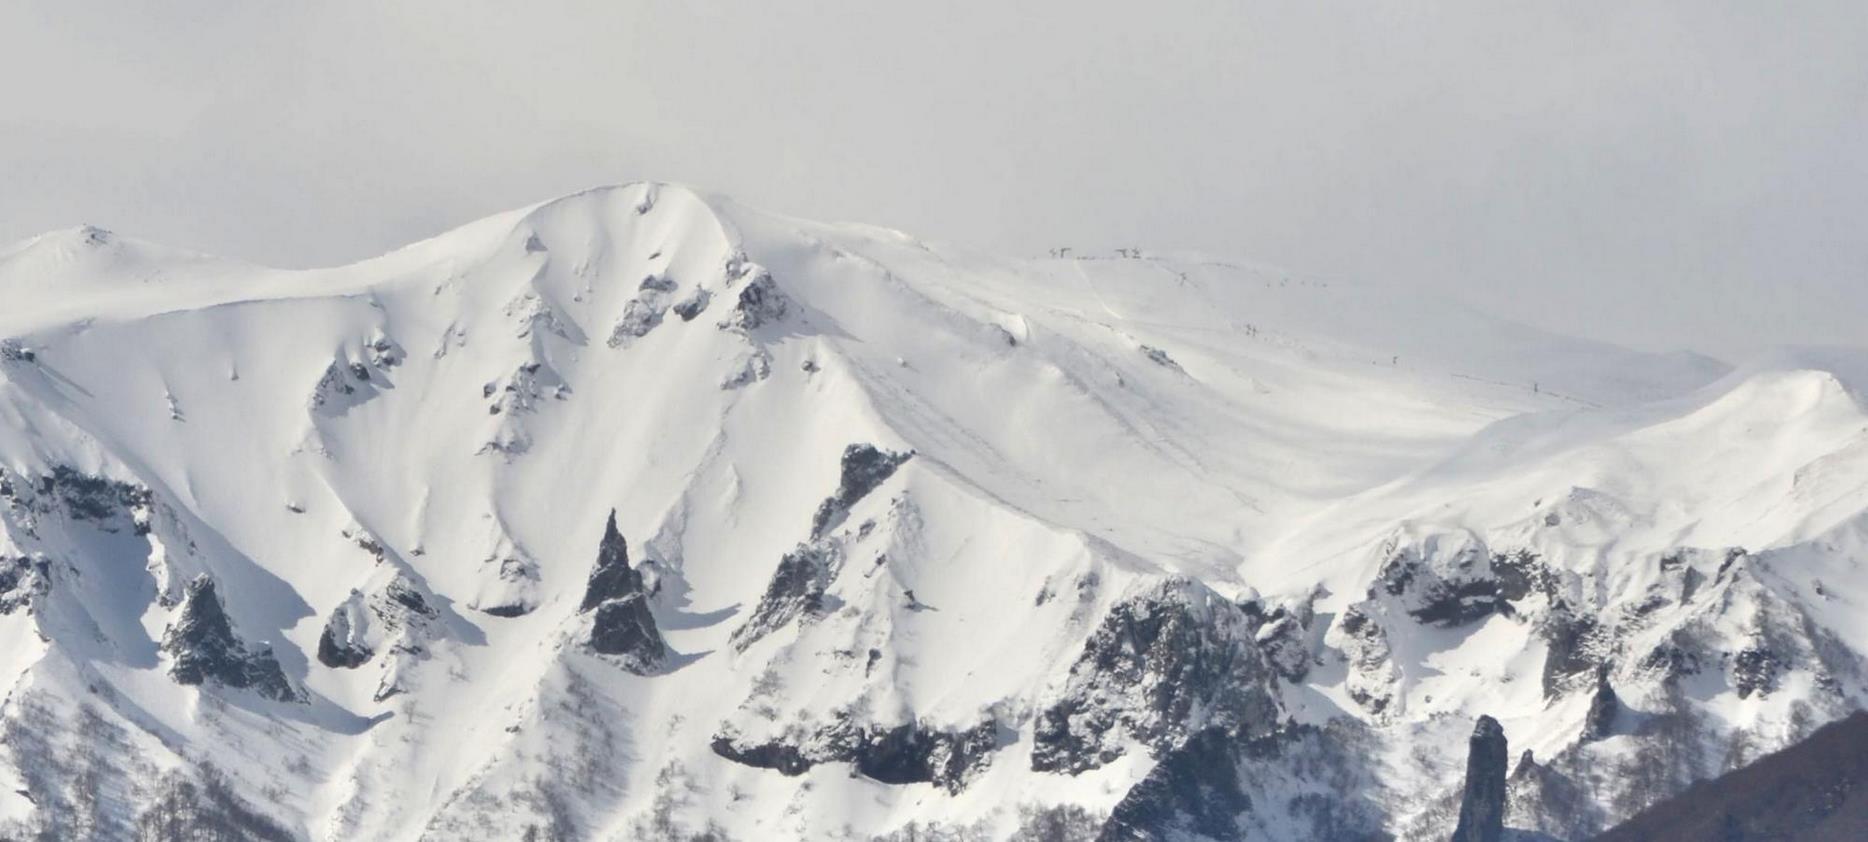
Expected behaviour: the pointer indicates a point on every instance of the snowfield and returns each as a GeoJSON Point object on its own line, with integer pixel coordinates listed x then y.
{"type": "Point", "coordinates": [907, 543]}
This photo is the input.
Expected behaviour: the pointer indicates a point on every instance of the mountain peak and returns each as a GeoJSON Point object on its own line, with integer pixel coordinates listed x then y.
{"type": "Point", "coordinates": [645, 511]}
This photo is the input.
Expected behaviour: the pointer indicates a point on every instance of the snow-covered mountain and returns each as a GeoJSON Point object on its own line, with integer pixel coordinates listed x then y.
{"type": "Point", "coordinates": [642, 515]}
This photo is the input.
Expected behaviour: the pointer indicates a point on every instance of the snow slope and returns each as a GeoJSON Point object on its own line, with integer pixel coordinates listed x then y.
{"type": "Point", "coordinates": [917, 541]}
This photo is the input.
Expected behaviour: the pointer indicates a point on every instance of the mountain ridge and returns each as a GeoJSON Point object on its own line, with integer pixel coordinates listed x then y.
{"type": "Point", "coordinates": [1323, 512]}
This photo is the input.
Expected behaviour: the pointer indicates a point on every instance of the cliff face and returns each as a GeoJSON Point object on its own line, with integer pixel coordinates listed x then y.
{"type": "Point", "coordinates": [1482, 804]}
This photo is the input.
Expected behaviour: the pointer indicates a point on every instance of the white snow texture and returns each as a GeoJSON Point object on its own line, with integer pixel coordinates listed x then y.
{"type": "Point", "coordinates": [1375, 517]}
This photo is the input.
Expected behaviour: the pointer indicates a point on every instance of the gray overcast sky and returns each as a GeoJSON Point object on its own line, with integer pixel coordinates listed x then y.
{"type": "Point", "coordinates": [1664, 174]}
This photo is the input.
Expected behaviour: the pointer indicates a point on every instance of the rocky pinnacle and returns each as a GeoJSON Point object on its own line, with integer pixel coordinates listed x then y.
{"type": "Point", "coordinates": [1482, 809]}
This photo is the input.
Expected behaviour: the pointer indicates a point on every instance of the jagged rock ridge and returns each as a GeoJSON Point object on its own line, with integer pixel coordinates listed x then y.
{"type": "Point", "coordinates": [622, 624]}
{"type": "Point", "coordinates": [203, 648]}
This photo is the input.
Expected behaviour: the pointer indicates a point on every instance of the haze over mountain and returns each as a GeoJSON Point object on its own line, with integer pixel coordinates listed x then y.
{"type": "Point", "coordinates": [640, 514]}
{"type": "Point", "coordinates": [1668, 175]}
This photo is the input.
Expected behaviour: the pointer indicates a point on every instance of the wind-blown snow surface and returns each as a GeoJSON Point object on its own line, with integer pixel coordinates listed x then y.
{"type": "Point", "coordinates": [922, 541]}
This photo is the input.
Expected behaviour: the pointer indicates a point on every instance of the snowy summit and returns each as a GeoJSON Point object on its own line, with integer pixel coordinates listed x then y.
{"type": "Point", "coordinates": [642, 515]}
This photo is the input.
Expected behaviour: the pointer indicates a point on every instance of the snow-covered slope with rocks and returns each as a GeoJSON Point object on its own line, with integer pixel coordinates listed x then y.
{"type": "Point", "coordinates": [639, 514]}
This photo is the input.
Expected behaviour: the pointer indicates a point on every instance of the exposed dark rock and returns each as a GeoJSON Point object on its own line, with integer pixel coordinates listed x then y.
{"type": "Point", "coordinates": [520, 394]}
{"type": "Point", "coordinates": [1604, 706]}
{"type": "Point", "coordinates": [1527, 765]}
{"type": "Point", "coordinates": [1194, 789]}
{"type": "Point", "coordinates": [1542, 797]}
{"type": "Point", "coordinates": [910, 753]}
{"type": "Point", "coordinates": [11, 351]}
{"type": "Point", "coordinates": [626, 628]}
{"type": "Point", "coordinates": [623, 626]}
{"type": "Point", "coordinates": [1754, 670]}
{"type": "Point", "coordinates": [203, 649]}
{"type": "Point", "coordinates": [98, 499]}
{"type": "Point", "coordinates": [1162, 665]}
{"type": "Point", "coordinates": [612, 578]}
{"type": "Point", "coordinates": [1372, 673]}
{"type": "Point", "coordinates": [1452, 579]}
{"type": "Point", "coordinates": [1672, 659]}
{"type": "Point", "coordinates": [864, 467]}
{"type": "Point", "coordinates": [340, 646]}
{"type": "Point", "coordinates": [384, 352]}
{"type": "Point", "coordinates": [754, 367]}
{"type": "Point", "coordinates": [1572, 642]}
{"type": "Point", "coordinates": [760, 303]}
{"type": "Point", "coordinates": [1482, 807]}
{"type": "Point", "coordinates": [1458, 603]}
{"type": "Point", "coordinates": [1284, 634]}
{"type": "Point", "coordinates": [784, 758]}
{"type": "Point", "coordinates": [1299, 782]}
{"type": "Point", "coordinates": [796, 590]}
{"type": "Point", "coordinates": [22, 581]}
{"type": "Point", "coordinates": [392, 622]}
{"type": "Point", "coordinates": [1733, 558]}
{"type": "Point", "coordinates": [798, 585]}
{"type": "Point", "coordinates": [640, 316]}
{"type": "Point", "coordinates": [1520, 574]}
{"type": "Point", "coordinates": [1159, 357]}
{"type": "Point", "coordinates": [344, 384]}
{"type": "Point", "coordinates": [401, 592]}
{"type": "Point", "coordinates": [692, 306]}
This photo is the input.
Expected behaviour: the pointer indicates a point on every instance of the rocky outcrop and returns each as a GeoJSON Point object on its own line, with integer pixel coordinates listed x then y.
{"type": "Point", "coordinates": [13, 351]}
{"type": "Point", "coordinates": [1193, 790]}
{"type": "Point", "coordinates": [347, 383]}
{"type": "Point", "coordinates": [693, 305]}
{"type": "Point", "coordinates": [1482, 807]}
{"type": "Point", "coordinates": [625, 628]}
{"type": "Point", "coordinates": [1372, 674]}
{"type": "Point", "coordinates": [1453, 578]}
{"type": "Point", "coordinates": [1299, 782]}
{"type": "Point", "coordinates": [622, 626]}
{"type": "Point", "coordinates": [396, 616]}
{"type": "Point", "coordinates": [1164, 664]}
{"type": "Point", "coordinates": [341, 645]}
{"type": "Point", "coordinates": [760, 303]}
{"type": "Point", "coordinates": [804, 574]}
{"type": "Point", "coordinates": [1542, 797]}
{"type": "Point", "coordinates": [612, 578]}
{"type": "Point", "coordinates": [1604, 706]}
{"type": "Point", "coordinates": [644, 313]}
{"type": "Point", "coordinates": [398, 606]}
{"type": "Point", "coordinates": [1576, 645]}
{"type": "Point", "coordinates": [1755, 670]}
{"type": "Point", "coordinates": [103, 502]}
{"type": "Point", "coordinates": [1283, 633]}
{"type": "Point", "coordinates": [203, 649]}
{"type": "Point", "coordinates": [908, 753]}
{"type": "Point", "coordinates": [864, 467]}
{"type": "Point", "coordinates": [22, 581]}
{"type": "Point", "coordinates": [796, 590]}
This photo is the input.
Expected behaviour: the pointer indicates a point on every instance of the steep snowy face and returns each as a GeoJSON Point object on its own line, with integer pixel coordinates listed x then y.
{"type": "Point", "coordinates": [638, 514]}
